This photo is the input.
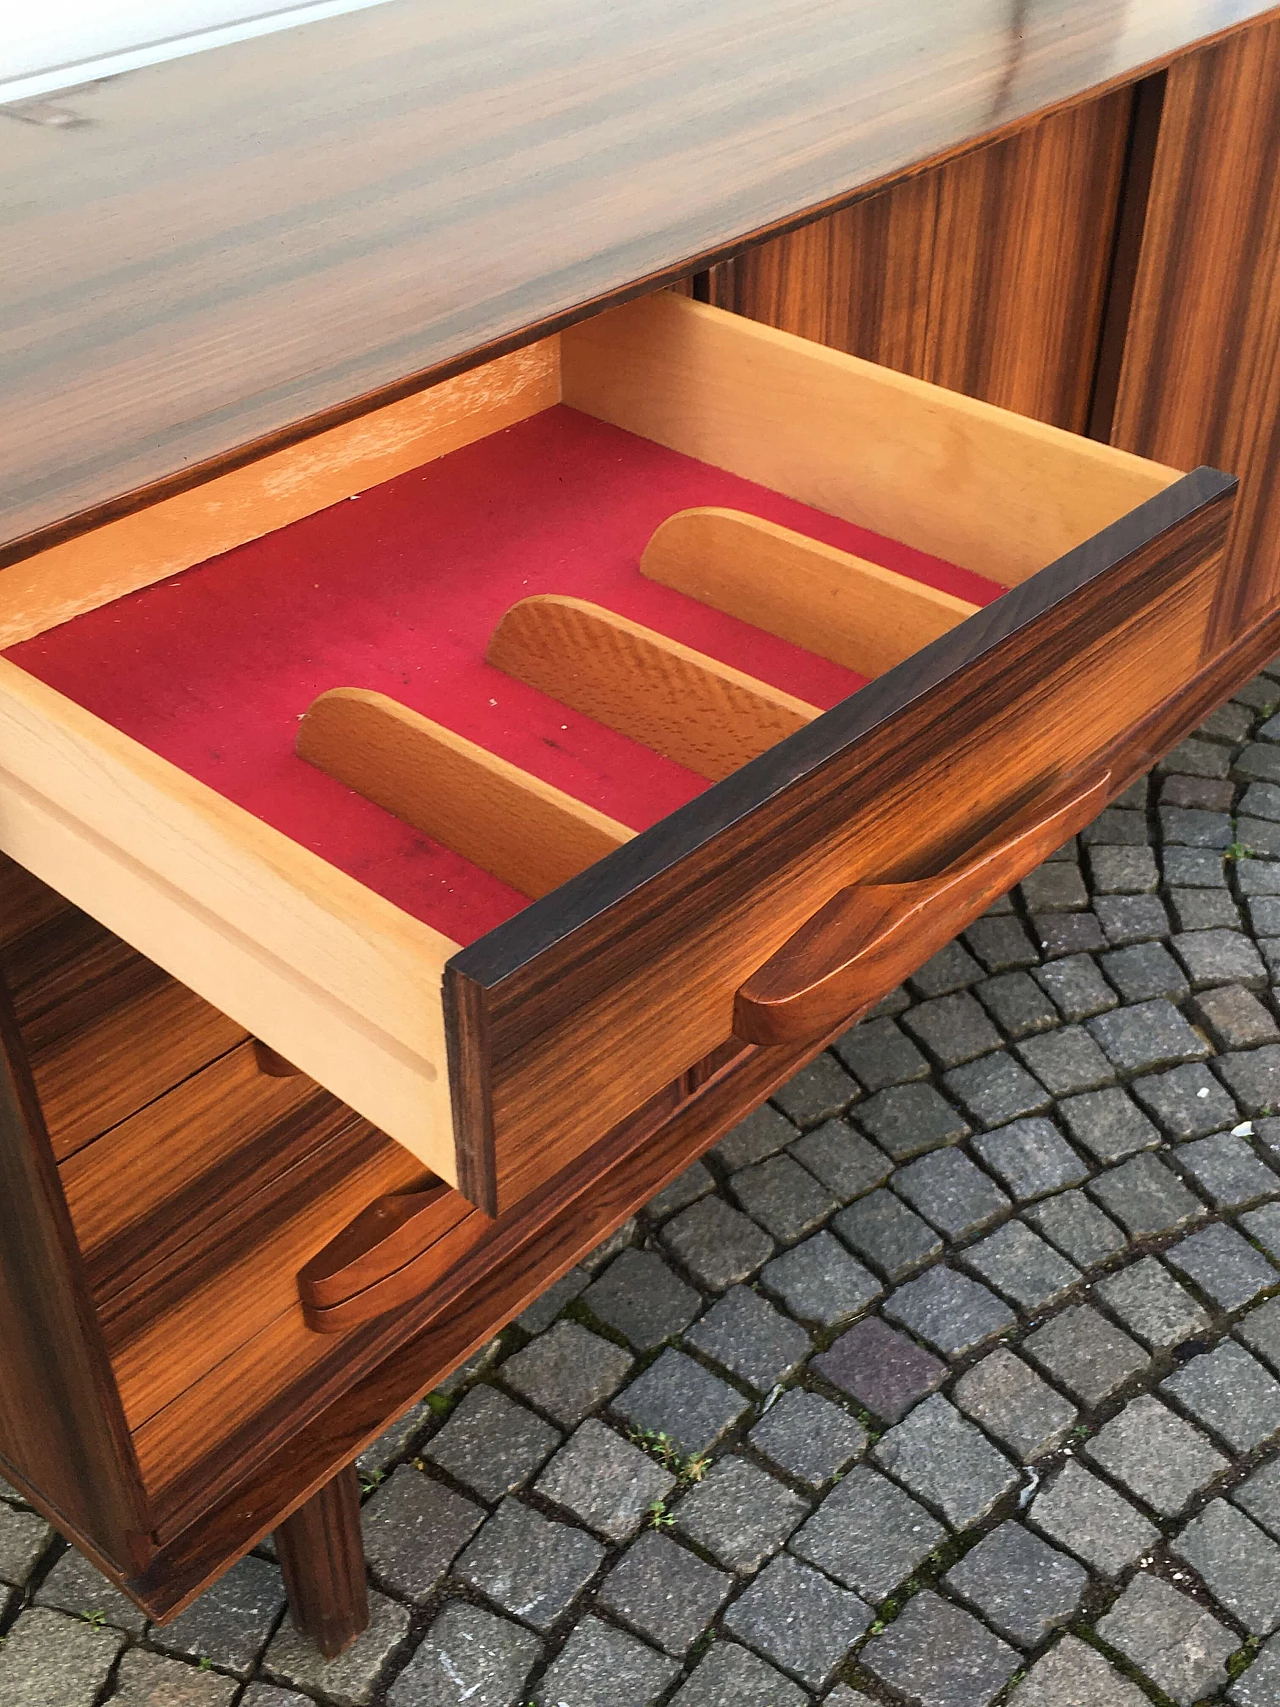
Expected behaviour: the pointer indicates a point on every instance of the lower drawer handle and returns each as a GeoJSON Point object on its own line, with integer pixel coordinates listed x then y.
{"type": "Point", "coordinates": [868, 937]}
{"type": "Point", "coordinates": [382, 1239]}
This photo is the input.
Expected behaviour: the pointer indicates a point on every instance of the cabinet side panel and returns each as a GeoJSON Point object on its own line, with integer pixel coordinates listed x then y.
{"type": "Point", "coordinates": [61, 1426]}
{"type": "Point", "coordinates": [1200, 379]}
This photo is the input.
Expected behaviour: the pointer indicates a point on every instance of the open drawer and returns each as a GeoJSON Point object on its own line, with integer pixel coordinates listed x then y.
{"type": "Point", "coordinates": [681, 711]}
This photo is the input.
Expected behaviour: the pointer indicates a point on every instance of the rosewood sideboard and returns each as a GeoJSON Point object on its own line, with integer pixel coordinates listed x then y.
{"type": "Point", "coordinates": [548, 563]}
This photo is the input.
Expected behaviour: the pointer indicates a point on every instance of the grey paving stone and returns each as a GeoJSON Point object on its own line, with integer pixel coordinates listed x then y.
{"type": "Point", "coordinates": [267, 1695]}
{"type": "Point", "coordinates": [996, 1089]}
{"type": "Point", "coordinates": [1122, 870]}
{"type": "Point", "coordinates": [403, 1434]}
{"type": "Point", "coordinates": [1267, 1131]}
{"type": "Point", "coordinates": [1187, 1102]}
{"type": "Point", "coordinates": [948, 1311]}
{"type": "Point", "coordinates": [1196, 829]}
{"type": "Point", "coordinates": [603, 1667]}
{"type": "Point", "coordinates": [1067, 1061]}
{"type": "Point", "coordinates": [885, 1233]}
{"type": "Point", "coordinates": [24, 1537]}
{"type": "Point", "coordinates": [1220, 957]}
{"type": "Point", "coordinates": [953, 1029]}
{"type": "Point", "coordinates": [1211, 794]}
{"type": "Point", "coordinates": [935, 1655]}
{"type": "Point", "coordinates": [1017, 1004]}
{"type": "Point", "coordinates": [640, 1298]}
{"type": "Point", "coordinates": [1152, 1034]}
{"type": "Point", "coordinates": [1151, 1304]}
{"type": "Point", "coordinates": [881, 1370]}
{"type": "Point", "coordinates": [948, 1190]}
{"type": "Point", "coordinates": [879, 1053]}
{"type": "Point", "coordinates": [868, 1534]}
{"type": "Point", "coordinates": [52, 1661]}
{"type": "Point", "coordinates": [1116, 827]}
{"type": "Point", "coordinates": [1231, 1394]}
{"type": "Point", "coordinates": [848, 1164]}
{"type": "Point", "coordinates": [468, 1657]}
{"type": "Point", "coordinates": [739, 1514]}
{"type": "Point", "coordinates": [1109, 1124]}
{"type": "Point", "coordinates": [150, 1680]}
{"type": "Point", "coordinates": [1085, 1353]}
{"type": "Point", "coordinates": [808, 1438]}
{"type": "Point", "coordinates": [470, 1369]}
{"type": "Point", "coordinates": [1128, 919]}
{"type": "Point", "coordinates": [946, 1462]}
{"type": "Point", "coordinates": [1228, 722]}
{"type": "Point", "coordinates": [1146, 1197]}
{"type": "Point", "coordinates": [910, 1119]}
{"type": "Point", "coordinates": [843, 1696]}
{"type": "Point", "coordinates": [1228, 1172]}
{"type": "Point", "coordinates": [75, 1586]}
{"type": "Point", "coordinates": [1264, 915]}
{"type": "Point", "coordinates": [783, 1198]}
{"type": "Point", "coordinates": [1263, 1227]}
{"type": "Point", "coordinates": [1173, 1641]}
{"type": "Point", "coordinates": [1072, 1674]}
{"type": "Point", "coordinates": [1012, 1403]}
{"type": "Point", "coordinates": [1260, 1685]}
{"type": "Point", "coordinates": [1021, 1267]}
{"type": "Point", "coordinates": [1092, 1521]}
{"type": "Point", "coordinates": [695, 1182]}
{"type": "Point", "coordinates": [1204, 910]}
{"type": "Point", "coordinates": [1257, 877]}
{"type": "Point", "coordinates": [1236, 1562]}
{"type": "Point", "coordinates": [1055, 887]}
{"type": "Point", "coordinates": [1260, 694]}
{"type": "Point", "coordinates": [763, 1133]}
{"type": "Point", "coordinates": [568, 1371]}
{"type": "Point", "coordinates": [1193, 868]}
{"type": "Point", "coordinates": [1077, 1227]}
{"type": "Point", "coordinates": [1001, 943]}
{"type": "Point", "coordinates": [719, 1245]}
{"type": "Point", "coordinates": [544, 1310]}
{"type": "Point", "coordinates": [729, 1676]}
{"type": "Point", "coordinates": [1156, 1454]}
{"type": "Point", "coordinates": [1144, 972]}
{"type": "Point", "coordinates": [1062, 934]}
{"type": "Point", "coordinates": [1260, 1331]}
{"type": "Point", "coordinates": [1194, 757]}
{"type": "Point", "coordinates": [1225, 1266]}
{"type": "Point", "coordinates": [1258, 836]}
{"type": "Point", "coordinates": [890, 1006]}
{"type": "Point", "coordinates": [1076, 987]}
{"type": "Point", "coordinates": [820, 1282]}
{"type": "Point", "coordinates": [1259, 761]}
{"type": "Point", "coordinates": [414, 1528]}
{"type": "Point", "coordinates": [744, 1334]}
{"type": "Point", "coordinates": [1254, 1078]}
{"type": "Point", "coordinates": [1261, 800]}
{"type": "Point", "coordinates": [490, 1444]}
{"type": "Point", "coordinates": [1260, 1496]}
{"type": "Point", "coordinates": [232, 1620]}
{"type": "Point", "coordinates": [528, 1565]}
{"type": "Point", "coordinates": [798, 1619]}
{"type": "Point", "coordinates": [951, 968]}
{"type": "Point", "coordinates": [1031, 1158]}
{"type": "Point", "coordinates": [351, 1679]}
{"type": "Point", "coordinates": [1022, 1587]}
{"type": "Point", "coordinates": [607, 1249]}
{"type": "Point", "coordinates": [1269, 948]}
{"type": "Point", "coordinates": [664, 1593]}
{"type": "Point", "coordinates": [604, 1481]}
{"type": "Point", "coordinates": [678, 1397]}
{"type": "Point", "coordinates": [818, 1092]}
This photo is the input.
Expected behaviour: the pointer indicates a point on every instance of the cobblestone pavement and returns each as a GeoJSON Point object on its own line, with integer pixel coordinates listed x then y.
{"type": "Point", "coordinates": [952, 1377]}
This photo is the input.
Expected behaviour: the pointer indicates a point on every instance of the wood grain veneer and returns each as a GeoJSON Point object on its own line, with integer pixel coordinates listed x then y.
{"type": "Point", "coordinates": [1201, 368]}
{"type": "Point", "coordinates": [350, 208]}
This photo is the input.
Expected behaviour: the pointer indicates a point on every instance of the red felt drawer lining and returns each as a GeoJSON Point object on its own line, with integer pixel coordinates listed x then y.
{"type": "Point", "coordinates": [399, 590]}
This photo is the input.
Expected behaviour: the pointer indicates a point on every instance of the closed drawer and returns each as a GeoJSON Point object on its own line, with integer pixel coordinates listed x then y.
{"type": "Point", "coordinates": [676, 686]}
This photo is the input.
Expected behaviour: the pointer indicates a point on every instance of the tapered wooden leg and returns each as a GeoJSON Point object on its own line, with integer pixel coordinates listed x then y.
{"type": "Point", "coordinates": [322, 1557]}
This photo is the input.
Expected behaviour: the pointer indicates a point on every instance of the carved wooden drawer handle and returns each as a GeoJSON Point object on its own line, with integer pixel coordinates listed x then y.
{"type": "Point", "coordinates": [868, 937]}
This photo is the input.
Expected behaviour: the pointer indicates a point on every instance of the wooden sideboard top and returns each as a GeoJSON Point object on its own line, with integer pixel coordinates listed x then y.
{"type": "Point", "coordinates": [210, 256]}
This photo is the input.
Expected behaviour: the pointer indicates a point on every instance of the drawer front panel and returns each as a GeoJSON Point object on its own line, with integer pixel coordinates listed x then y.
{"type": "Point", "coordinates": [567, 1018]}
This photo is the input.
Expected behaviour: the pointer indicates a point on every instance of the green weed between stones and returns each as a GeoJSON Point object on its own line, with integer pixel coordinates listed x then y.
{"type": "Point", "coordinates": [685, 1468]}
